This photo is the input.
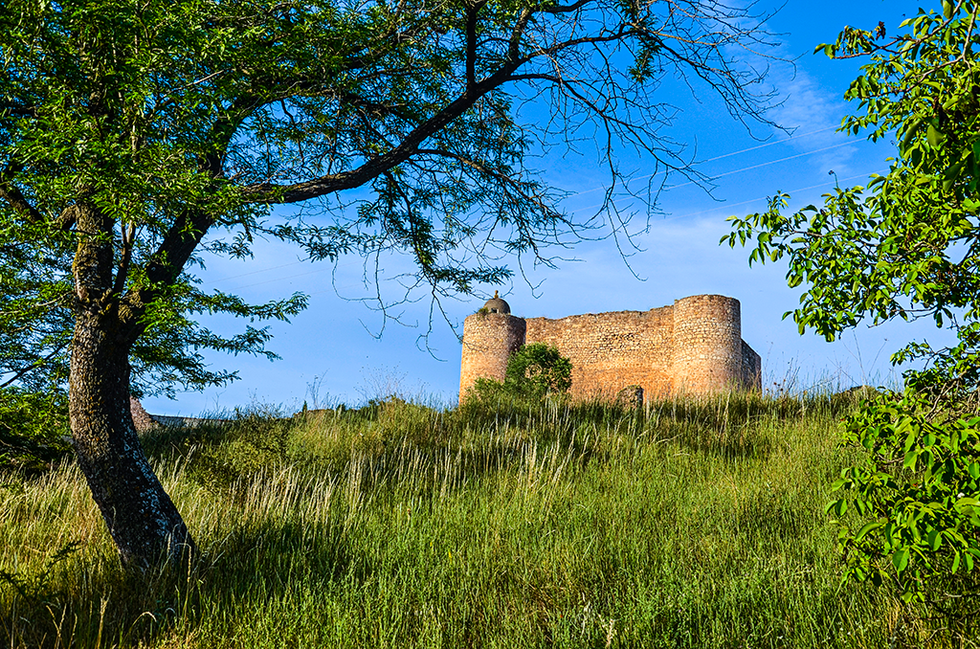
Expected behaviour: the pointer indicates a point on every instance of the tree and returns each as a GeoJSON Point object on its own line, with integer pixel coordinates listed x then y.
{"type": "Point", "coordinates": [136, 136]}
{"type": "Point", "coordinates": [537, 370]}
{"type": "Point", "coordinates": [906, 246]}
{"type": "Point", "coordinates": [534, 372]}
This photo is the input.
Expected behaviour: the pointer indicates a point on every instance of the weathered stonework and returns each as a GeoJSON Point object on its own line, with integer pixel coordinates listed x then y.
{"type": "Point", "coordinates": [141, 419]}
{"type": "Point", "coordinates": [694, 346]}
{"type": "Point", "coordinates": [488, 341]}
{"type": "Point", "coordinates": [145, 422]}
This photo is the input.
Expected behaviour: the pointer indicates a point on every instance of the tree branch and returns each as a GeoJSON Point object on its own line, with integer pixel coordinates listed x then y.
{"type": "Point", "coordinates": [564, 9]}
{"type": "Point", "coordinates": [32, 366]}
{"type": "Point", "coordinates": [514, 47]}
{"type": "Point", "coordinates": [471, 16]}
{"type": "Point", "coordinates": [273, 193]}
{"type": "Point", "coordinates": [188, 228]}
{"type": "Point", "coordinates": [500, 177]}
{"type": "Point", "coordinates": [128, 236]}
{"type": "Point", "coordinates": [15, 198]}
{"type": "Point", "coordinates": [282, 194]}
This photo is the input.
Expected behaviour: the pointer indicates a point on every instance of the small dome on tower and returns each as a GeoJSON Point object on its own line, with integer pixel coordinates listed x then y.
{"type": "Point", "coordinates": [496, 305]}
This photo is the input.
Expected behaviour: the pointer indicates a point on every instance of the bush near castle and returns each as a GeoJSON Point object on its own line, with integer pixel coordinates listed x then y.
{"type": "Point", "coordinates": [534, 371]}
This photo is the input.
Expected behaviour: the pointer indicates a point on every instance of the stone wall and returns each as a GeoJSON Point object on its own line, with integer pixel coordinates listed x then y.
{"type": "Point", "coordinates": [145, 422]}
{"type": "Point", "coordinates": [610, 351]}
{"type": "Point", "coordinates": [141, 419]}
{"type": "Point", "coordinates": [693, 346]}
{"type": "Point", "coordinates": [751, 367]}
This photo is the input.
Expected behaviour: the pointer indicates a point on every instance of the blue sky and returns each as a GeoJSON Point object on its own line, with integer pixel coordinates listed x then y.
{"type": "Point", "coordinates": [340, 350]}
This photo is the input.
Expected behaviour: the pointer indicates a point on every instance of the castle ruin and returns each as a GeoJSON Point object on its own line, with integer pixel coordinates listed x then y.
{"type": "Point", "coordinates": [694, 346]}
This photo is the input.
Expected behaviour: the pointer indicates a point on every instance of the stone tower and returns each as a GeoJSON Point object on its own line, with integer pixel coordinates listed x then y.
{"type": "Point", "coordinates": [707, 343]}
{"type": "Point", "coordinates": [490, 336]}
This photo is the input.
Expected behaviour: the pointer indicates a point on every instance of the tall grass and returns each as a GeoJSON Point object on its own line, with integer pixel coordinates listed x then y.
{"type": "Point", "coordinates": [698, 524]}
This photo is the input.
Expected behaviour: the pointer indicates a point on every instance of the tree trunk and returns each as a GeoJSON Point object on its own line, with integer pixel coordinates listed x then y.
{"type": "Point", "coordinates": [142, 519]}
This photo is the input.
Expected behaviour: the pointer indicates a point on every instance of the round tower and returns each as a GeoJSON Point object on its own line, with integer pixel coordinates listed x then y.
{"type": "Point", "coordinates": [707, 343]}
{"type": "Point", "coordinates": [490, 336]}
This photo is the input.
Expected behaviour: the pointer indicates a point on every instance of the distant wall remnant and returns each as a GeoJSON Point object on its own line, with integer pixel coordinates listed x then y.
{"type": "Point", "coordinates": [141, 419]}
{"type": "Point", "coordinates": [694, 346]}
{"type": "Point", "coordinates": [145, 422]}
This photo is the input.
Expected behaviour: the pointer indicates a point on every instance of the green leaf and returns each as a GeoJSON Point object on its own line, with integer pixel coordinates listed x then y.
{"type": "Point", "coordinates": [910, 459]}
{"type": "Point", "coordinates": [934, 137]}
{"type": "Point", "coordinates": [861, 505]}
{"type": "Point", "coordinates": [901, 559]}
{"type": "Point", "coordinates": [966, 503]}
{"type": "Point", "coordinates": [867, 528]}
{"type": "Point", "coordinates": [934, 539]}
{"type": "Point", "coordinates": [837, 507]}
{"type": "Point", "coordinates": [910, 131]}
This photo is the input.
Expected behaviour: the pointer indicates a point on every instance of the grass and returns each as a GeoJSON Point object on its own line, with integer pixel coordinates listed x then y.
{"type": "Point", "coordinates": [398, 525]}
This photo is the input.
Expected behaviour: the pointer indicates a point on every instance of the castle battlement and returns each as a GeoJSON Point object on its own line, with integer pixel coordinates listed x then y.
{"type": "Point", "coordinates": [694, 346]}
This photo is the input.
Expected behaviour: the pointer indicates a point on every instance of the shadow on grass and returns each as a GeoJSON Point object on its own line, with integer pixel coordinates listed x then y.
{"type": "Point", "coordinates": [70, 602]}
{"type": "Point", "coordinates": [96, 603]}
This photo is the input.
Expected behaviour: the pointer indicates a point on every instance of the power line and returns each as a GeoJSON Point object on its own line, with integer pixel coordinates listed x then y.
{"type": "Point", "coordinates": [733, 172]}
{"type": "Point", "coordinates": [261, 270]}
{"type": "Point", "coordinates": [278, 279]}
{"type": "Point", "coordinates": [759, 198]}
{"type": "Point", "coordinates": [766, 164]}
{"type": "Point", "coordinates": [762, 146]}
{"type": "Point", "coordinates": [728, 155]}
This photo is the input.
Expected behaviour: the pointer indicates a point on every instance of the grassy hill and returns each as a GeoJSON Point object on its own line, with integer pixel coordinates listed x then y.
{"type": "Point", "coordinates": [701, 524]}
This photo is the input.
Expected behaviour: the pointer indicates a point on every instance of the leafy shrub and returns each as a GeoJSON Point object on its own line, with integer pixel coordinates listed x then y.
{"type": "Point", "coordinates": [539, 369]}
{"type": "Point", "coordinates": [917, 496]}
{"type": "Point", "coordinates": [534, 372]}
{"type": "Point", "coordinates": [34, 430]}
{"type": "Point", "coordinates": [904, 246]}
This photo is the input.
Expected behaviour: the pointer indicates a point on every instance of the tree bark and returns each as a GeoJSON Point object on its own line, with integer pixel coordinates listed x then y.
{"type": "Point", "coordinates": [142, 519]}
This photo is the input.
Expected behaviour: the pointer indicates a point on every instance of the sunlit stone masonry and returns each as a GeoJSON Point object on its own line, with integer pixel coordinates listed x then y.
{"type": "Point", "coordinates": [694, 346]}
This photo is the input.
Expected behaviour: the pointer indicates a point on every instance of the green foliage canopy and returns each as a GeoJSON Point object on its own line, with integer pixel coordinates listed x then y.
{"type": "Point", "coordinates": [534, 371]}
{"type": "Point", "coordinates": [183, 122]}
{"type": "Point", "coordinates": [905, 246]}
